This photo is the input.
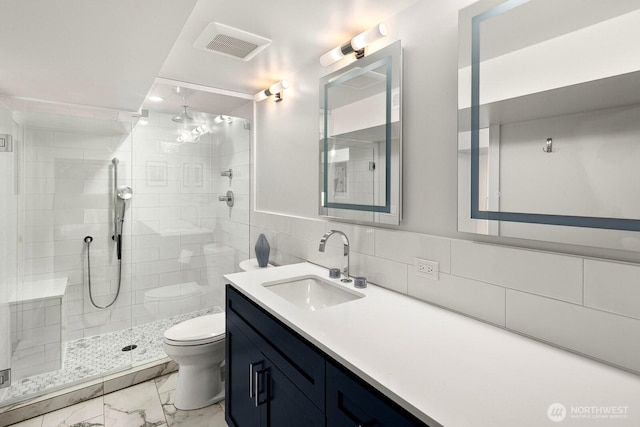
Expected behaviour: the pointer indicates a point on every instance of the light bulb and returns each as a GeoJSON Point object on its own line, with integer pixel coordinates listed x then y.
{"type": "Point", "coordinates": [366, 38]}
{"type": "Point", "coordinates": [260, 96]}
{"type": "Point", "coordinates": [332, 56]}
{"type": "Point", "coordinates": [278, 87]}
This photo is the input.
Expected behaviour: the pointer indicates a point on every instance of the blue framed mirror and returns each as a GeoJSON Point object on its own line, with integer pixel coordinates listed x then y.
{"type": "Point", "coordinates": [360, 139]}
{"type": "Point", "coordinates": [549, 109]}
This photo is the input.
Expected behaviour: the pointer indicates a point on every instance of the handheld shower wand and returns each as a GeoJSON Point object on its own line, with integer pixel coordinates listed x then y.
{"type": "Point", "coordinates": [124, 193]}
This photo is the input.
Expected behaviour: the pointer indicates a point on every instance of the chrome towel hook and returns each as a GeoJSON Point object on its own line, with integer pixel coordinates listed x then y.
{"type": "Point", "coordinates": [548, 148]}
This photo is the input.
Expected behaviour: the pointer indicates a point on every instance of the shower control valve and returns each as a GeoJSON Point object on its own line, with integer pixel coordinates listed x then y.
{"type": "Point", "coordinates": [227, 198]}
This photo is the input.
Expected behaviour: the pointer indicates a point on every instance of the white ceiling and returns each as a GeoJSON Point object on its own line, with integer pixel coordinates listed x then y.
{"type": "Point", "coordinates": [300, 31]}
{"type": "Point", "coordinates": [108, 53]}
{"type": "Point", "coordinates": [86, 52]}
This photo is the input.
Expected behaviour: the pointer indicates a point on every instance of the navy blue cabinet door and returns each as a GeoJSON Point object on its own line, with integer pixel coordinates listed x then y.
{"type": "Point", "coordinates": [258, 393]}
{"type": "Point", "coordinates": [242, 367]}
{"type": "Point", "coordinates": [286, 405]}
{"type": "Point", "coordinates": [351, 403]}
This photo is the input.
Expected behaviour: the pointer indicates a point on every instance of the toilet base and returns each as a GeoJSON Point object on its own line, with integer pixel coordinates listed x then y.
{"type": "Point", "coordinates": [215, 399]}
{"type": "Point", "coordinates": [196, 389]}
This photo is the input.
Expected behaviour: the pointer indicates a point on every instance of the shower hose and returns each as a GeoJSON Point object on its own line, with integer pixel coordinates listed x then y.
{"type": "Point", "coordinates": [87, 241]}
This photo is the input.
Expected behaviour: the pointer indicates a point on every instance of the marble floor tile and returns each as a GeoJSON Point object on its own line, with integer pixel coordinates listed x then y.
{"type": "Point", "coordinates": [134, 406]}
{"type": "Point", "coordinates": [93, 422]}
{"type": "Point", "coordinates": [167, 383]}
{"type": "Point", "coordinates": [33, 422]}
{"type": "Point", "coordinates": [211, 416]}
{"type": "Point", "coordinates": [74, 414]}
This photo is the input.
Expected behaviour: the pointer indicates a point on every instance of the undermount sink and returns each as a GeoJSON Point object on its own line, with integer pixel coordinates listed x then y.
{"type": "Point", "coordinates": [312, 292]}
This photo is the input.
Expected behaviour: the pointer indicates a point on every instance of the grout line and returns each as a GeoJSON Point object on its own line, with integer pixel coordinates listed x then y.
{"type": "Point", "coordinates": [583, 281]}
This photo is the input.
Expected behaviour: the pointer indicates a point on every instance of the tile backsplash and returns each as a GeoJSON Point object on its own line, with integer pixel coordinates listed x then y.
{"type": "Point", "coordinates": [584, 305]}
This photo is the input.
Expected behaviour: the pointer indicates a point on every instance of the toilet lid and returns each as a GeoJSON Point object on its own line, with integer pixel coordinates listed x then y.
{"type": "Point", "coordinates": [199, 330]}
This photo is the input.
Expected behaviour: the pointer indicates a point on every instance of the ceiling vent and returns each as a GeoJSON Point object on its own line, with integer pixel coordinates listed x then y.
{"type": "Point", "coordinates": [362, 80]}
{"type": "Point", "coordinates": [229, 41]}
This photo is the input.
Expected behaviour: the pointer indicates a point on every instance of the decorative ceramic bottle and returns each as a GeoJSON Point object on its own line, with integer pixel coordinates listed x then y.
{"type": "Point", "coordinates": [262, 250]}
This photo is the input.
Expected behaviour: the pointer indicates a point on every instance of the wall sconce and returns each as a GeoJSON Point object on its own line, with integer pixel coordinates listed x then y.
{"type": "Point", "coordinates": [275, 89]}
{"type": "Point", "coordinates": [355, 45]}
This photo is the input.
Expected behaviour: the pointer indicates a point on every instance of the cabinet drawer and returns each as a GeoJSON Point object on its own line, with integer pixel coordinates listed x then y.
{"type": "Point", "coordinates": [298, 360]}
{"type": "Point", "coordinates": [351, 402]}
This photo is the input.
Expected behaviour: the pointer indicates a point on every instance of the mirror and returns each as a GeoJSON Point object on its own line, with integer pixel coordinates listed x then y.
{"type": "Point", "coordinates": [549, 121]}
{"type": "Point", "coordinates": [360, 140]}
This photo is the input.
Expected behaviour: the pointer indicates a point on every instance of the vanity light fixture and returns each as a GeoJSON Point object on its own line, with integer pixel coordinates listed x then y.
{"type": "Point", "coordinates": [275, 89]}
{"type": "Point", "coordinates": [355, 45]}
{"type": "Point", "coordinates": [155, 98]}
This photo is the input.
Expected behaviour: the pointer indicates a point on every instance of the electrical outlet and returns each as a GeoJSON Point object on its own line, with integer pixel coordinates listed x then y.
{"type": "Point", "coordinates": [426, 268]}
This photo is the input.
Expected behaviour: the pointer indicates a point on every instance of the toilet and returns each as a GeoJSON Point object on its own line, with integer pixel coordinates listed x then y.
{"type": "Point", "coordinates": [198, 347]}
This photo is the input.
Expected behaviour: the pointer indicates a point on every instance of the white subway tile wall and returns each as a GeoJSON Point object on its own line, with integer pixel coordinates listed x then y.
{"type": "Point", "coordinates": [612, 287]}
{"type": "Point", "coordinates": [36, 337]}
{"type": "Point", "coordinates": [583, 305]}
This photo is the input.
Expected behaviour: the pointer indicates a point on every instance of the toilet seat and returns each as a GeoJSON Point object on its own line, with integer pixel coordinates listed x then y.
{"type": "Point", "coordinates": [200, 330]}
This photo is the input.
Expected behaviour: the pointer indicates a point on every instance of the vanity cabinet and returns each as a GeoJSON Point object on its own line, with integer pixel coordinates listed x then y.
{"type": "Point", "coordinates": [274, 377]}
{"type": "Point", "coordinates": [351, 402]}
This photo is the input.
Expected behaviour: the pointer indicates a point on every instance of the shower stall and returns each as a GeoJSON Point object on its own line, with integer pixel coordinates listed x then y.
{"type": "Point", "coordinates": [112, 229]}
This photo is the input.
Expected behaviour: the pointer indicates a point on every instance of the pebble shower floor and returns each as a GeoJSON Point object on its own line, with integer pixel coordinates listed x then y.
{"type": "Point", "coordinates": [95, 356]}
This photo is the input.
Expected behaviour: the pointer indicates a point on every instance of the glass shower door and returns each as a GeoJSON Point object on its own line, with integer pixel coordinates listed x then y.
{"type": "Point", "coordinates": [58, 193]}
{"type": "Point", "coordinates": [8, 242]}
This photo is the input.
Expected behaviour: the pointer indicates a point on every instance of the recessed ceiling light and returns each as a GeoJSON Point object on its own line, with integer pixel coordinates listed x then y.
{"type": "Point", "coordinates": [156, 98]}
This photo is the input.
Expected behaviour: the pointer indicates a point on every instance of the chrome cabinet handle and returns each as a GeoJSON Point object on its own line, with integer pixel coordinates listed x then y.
{"type": "Point", "coordinates": [252, 383]}
{"type": "Point", "coordinates": [266, 381]}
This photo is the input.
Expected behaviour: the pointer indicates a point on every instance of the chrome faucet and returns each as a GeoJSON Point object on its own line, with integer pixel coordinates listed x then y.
{"type": "Point", "coordinates": [345, 242]}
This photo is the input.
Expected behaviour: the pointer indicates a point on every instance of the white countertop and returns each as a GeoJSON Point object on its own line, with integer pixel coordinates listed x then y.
{"type": "Point", "coordinates": [449, 368]}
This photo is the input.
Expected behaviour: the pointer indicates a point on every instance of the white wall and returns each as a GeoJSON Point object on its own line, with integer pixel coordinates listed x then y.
{"type": "Point", "coordinates": [572, 301]}
{"type": "Point", "coordinates": [287, 131]}
{"type": "Point", "coordinates": [582, 176]}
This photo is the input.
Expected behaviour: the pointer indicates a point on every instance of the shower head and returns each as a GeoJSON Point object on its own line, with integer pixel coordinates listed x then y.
{"type": "Point", "coordinates": [183, 117]}
{"type": "Point", "coordinates": [125, 192]}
